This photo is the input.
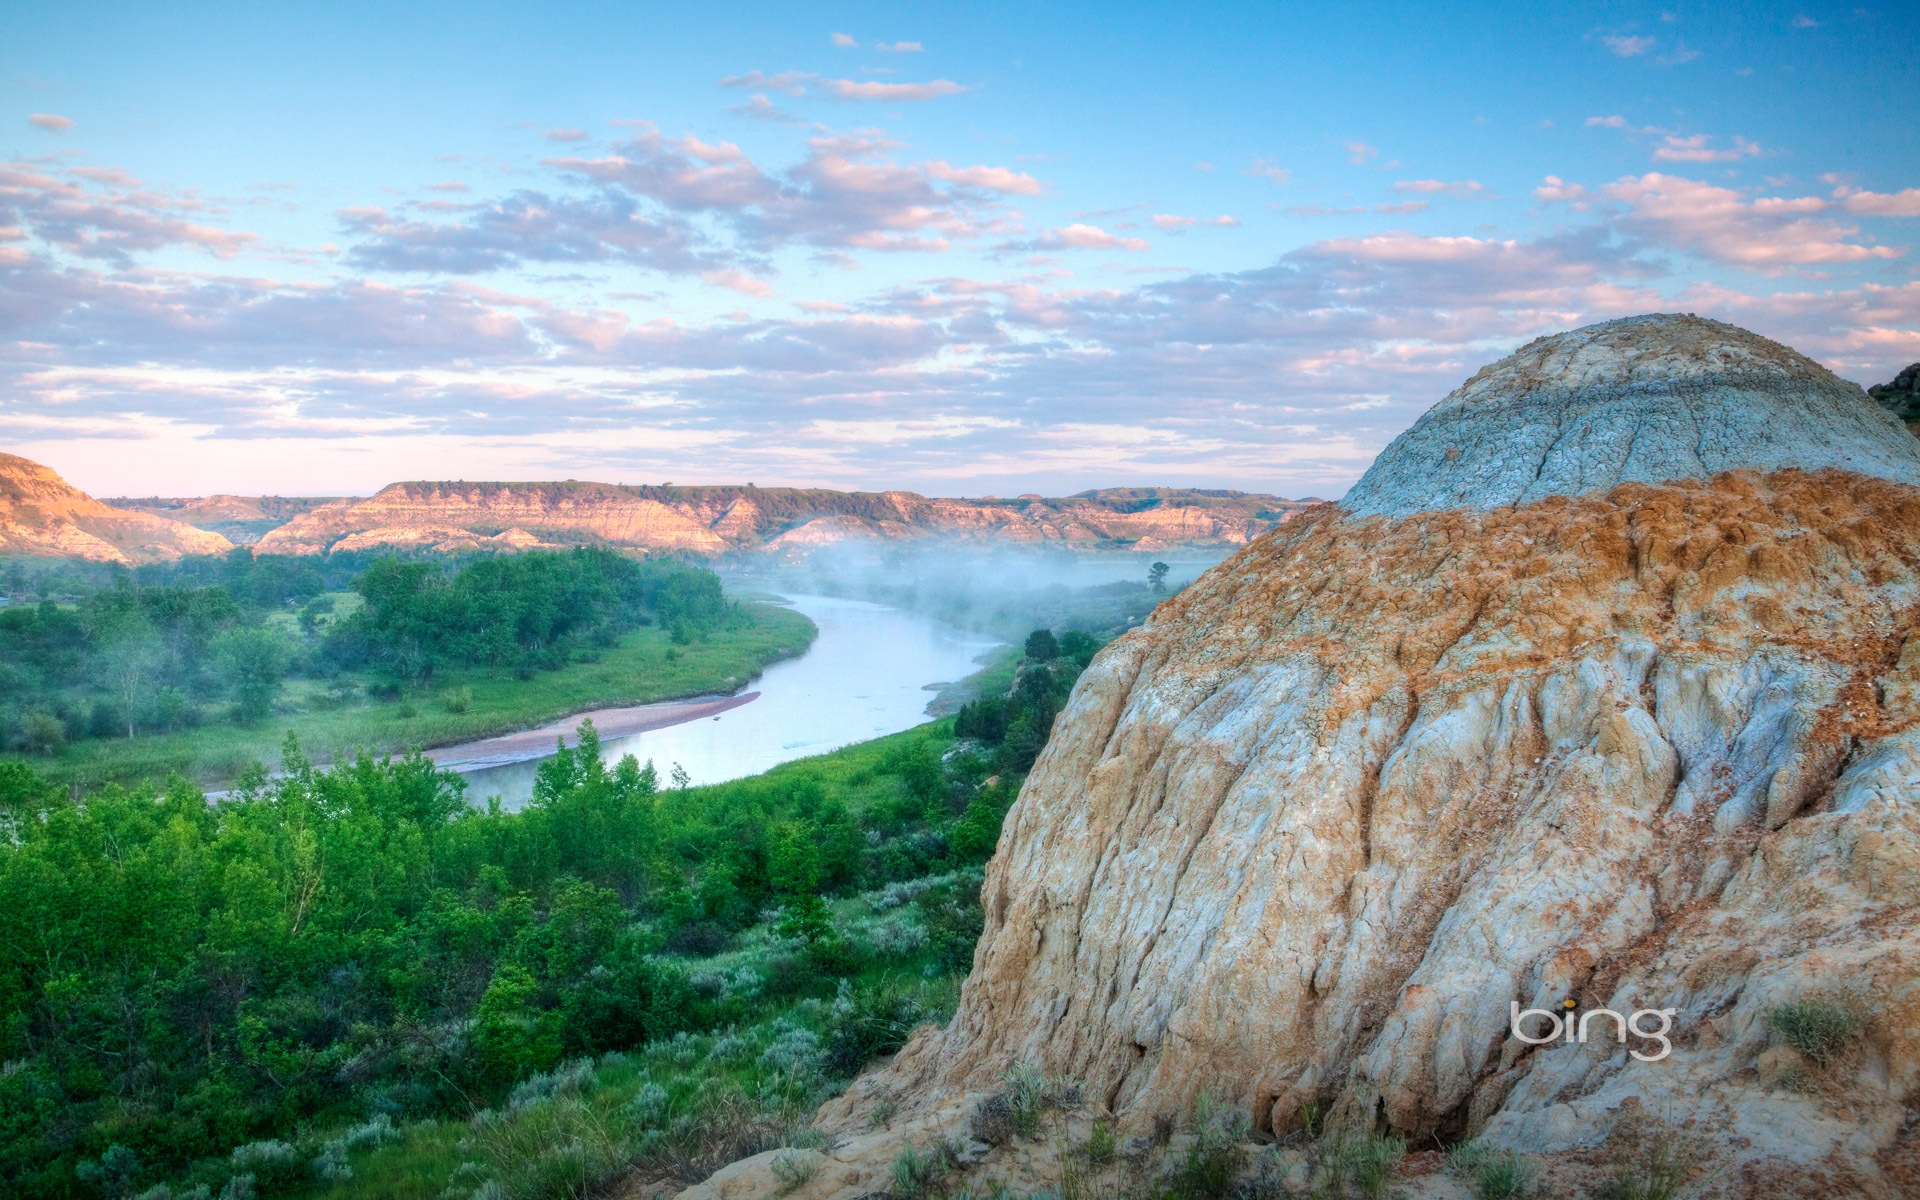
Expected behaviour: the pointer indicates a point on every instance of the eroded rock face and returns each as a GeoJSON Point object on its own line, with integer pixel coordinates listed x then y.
{"type": "Point", "coordinates": [42, 515]}
{"type": "Point", "coordinates": [1638, 400]}
{"type": "Point", "coordinates": [717, 520]}
{"type": "Point", "coordinates": [1306, 836]}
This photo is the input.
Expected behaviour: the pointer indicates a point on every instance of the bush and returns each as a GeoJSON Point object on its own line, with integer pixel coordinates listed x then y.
{"type": "Point", "coordinates": [869, 1022]}
{"type": "Point", "coordinates": [1214, 1155]}
{"type": "Point", "coordinates": [917, 1171]}
{"type": "Point", "coordinates": [271, 1164]}
{"type": "Point", "coordinates": [330, 1165]}
{"type": "Point", "coordinates": [548, 1149]}
{"type": "Point", "coordinates": [1492, 1174]}
{"type": "Point", "coordinates": [1370, 1162]}
{"type": "Point", "coordinates": [1819, 1029]}
{"type": "Point", "coordinates": [1649, 1160]}
{"type": "Point", "coordinates": [992, 1120]}
{"type": "Point", "coordinates": [794, 1169]}
{"type": "Point", "coordinates": [457, 699]}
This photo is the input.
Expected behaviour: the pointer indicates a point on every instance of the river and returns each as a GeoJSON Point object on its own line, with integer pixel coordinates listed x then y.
{"type": "Point", "coordinates": [871, 671]}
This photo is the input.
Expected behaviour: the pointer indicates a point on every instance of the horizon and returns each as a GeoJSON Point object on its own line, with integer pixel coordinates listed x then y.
{"type": "Point", "coordinates": [309, 252]}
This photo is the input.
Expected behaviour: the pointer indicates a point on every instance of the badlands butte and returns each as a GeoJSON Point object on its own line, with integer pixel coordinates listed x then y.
{"type": "Point", "coordinates": [1602, 687]}
{"type": "Point", "coordinates": [715, 520]}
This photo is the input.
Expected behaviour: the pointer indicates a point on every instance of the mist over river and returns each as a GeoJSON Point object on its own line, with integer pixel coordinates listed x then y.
{"type": "Point", "coordinates": [871, 671]}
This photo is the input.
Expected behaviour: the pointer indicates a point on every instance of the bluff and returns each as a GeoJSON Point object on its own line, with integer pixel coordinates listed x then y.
{"type": "Point", "coordinates": [723, 519]}
{"type": "Point", "coordinates": [42, 515]}
{"type": "Point", "coordinates": [242, 520]}
{"type": "Point", "coordinates": [1601, 686]}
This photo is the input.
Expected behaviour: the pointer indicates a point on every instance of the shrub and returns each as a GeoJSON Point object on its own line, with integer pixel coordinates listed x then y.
{"type": "Point", "coordinates": [1214, 1155]}
{"type": "Point", "coordinates": [1102, 1145]}
{"type": "Point", "coordinates": [1819, 1029]}
{"type": "Point", "coordinates": [1492, 1174]}
{"type": "Point", "coordinates": [330, 1165]}
{"type": "Point", "coordinates": [796, 1051]}
{"type": "Point", "coordinates": [648, 1108]}
{"type": "Point", "coordinates": [567, 1079]}
{"type": "Point", "coordinates": [272, 1164]}
{"type": "Point", "coordinates": [113, 1172]}
{"type": "Point", "coordinates": [378, 1131]}
{"type": "Point", "coordinates": [550, 1148]}
{"type": "Point", "coordinates": [1649, 1160]}
{"type": "Point", "coordinates": [457, 699]}
{"type": "Point", "coordinates": [1370, 1162]}
{"type": "Point", "coordinates": [794, 1169]}
{"type": "Point", "coordinates": [992, 1120]}
{"type": "Point", "coordinates": [916, 1171]}
{"type": "Point", "coordinates": [868, 1022]}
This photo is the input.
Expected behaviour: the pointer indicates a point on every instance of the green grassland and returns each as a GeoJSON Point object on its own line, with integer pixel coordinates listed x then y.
{"type": "Point", "coordinates": [643, 667]}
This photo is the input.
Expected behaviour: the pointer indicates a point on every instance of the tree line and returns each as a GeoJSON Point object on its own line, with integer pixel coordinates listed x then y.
{"type": "Point", "coordinates": [164, 648]}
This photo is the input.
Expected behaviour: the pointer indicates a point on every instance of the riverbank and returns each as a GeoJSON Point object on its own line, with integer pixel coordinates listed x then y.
{"type": "Point", "coordinates": [645, 667]}
{"type": "Point", "coordinates": [871, 672]}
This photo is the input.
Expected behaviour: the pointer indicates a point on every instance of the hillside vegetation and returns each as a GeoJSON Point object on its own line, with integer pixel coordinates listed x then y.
{"type": "Point", "coordinates": [352, 982]}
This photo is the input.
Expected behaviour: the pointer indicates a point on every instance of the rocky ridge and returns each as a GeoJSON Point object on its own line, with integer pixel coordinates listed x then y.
{"type": "Point", "coordinates": [719, 520]}
{"type": "Point", "coordinates": [242, 520]}
{"type": "Point", "coordinates": [42, 515]}
{"type": "Point", "coordinates": [1301, 840]}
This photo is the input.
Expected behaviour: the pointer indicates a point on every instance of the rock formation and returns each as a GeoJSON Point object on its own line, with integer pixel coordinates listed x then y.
{"type": "Point", "coordinates": [717, 520]}
{"type": "Point", "coordinates": [1620, 704]}
{"type": "Point", "coordinates": [42, 515]}
{"type": "Point", "coordinates": [1900, 395]}
{"type": "Point", "coordinates": [242, 520]}
{"type": "Point", "coordinates": [1642, 400]}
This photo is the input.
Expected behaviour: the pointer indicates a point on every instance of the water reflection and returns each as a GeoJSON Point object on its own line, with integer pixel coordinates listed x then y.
{"type": "Point", "coordinates": [867, 674]}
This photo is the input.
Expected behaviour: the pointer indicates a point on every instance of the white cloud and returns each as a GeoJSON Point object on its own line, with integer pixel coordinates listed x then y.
{"type": "Point", "coordinates": [50, 122]}
{"type": "Point", "coordinates": [1080, 236]}
{"type": "Point", "coordinates": [738, 281]}
{"type": "Point", "coordinates": [796, 83]}
{"type": "Point", "coordinates": [1433, 187]}
{"type": "Point", "coordinates": [1699, 148]}
{"type": "Point", "coordinates": [1627, 46]}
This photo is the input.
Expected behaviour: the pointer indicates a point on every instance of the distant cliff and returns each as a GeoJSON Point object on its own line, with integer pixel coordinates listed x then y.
{"type": "Point", "coordinates": [42, 515]}
{"type": "Point", "coordinates": [242, 520]}
{"type": "Point", "coordinates": [723, 519]}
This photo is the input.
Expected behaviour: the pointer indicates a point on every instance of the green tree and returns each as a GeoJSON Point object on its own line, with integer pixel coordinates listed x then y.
{"type": "Point", "coordinates": [1157, 577]}
{"type": "Point", "coordinates": [512, 1037]}
{"type": "Point", "coordinates": [255, 660]}
{"type": "Point", "coordinates": [1041, 646]}
{"type": "Point", "coordinates": [793, 859]}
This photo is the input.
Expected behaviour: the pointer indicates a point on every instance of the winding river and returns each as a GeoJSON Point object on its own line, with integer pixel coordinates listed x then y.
{"type": "Point", "coordinates": [871, 671]}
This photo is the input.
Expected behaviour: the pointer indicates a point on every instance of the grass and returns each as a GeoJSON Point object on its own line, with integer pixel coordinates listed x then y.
{"type": "Point", "coordinates": [1492, 1174]}
{"type": "Point", "coordinates": [643, 668]}
{"type": "Point", "coordinates": [1651, 1159]}
{"type": "Point", "coordinates": [1819, 1029]}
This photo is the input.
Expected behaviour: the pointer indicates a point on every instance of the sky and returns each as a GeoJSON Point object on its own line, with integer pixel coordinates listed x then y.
{"type": "Point", "coordinates": [312, 249]}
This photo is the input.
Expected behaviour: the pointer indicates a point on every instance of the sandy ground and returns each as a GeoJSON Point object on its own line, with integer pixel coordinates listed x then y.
{"type": "Point", "coordinates": [610, 722]}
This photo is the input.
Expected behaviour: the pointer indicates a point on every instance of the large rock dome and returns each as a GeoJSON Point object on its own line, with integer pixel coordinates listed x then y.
{"type": "Point", "coordinates": [1639, 400]}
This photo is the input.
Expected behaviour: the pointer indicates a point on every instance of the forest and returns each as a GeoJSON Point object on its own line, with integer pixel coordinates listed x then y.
{"type": "Point", "coordinates": [353, 980]}
{"type": "Point", "coordinates": [211, 641]}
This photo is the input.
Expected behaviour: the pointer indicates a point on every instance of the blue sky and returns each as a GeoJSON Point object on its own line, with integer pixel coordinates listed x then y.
{"type": "Point", "coordinates": [961, 250]}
